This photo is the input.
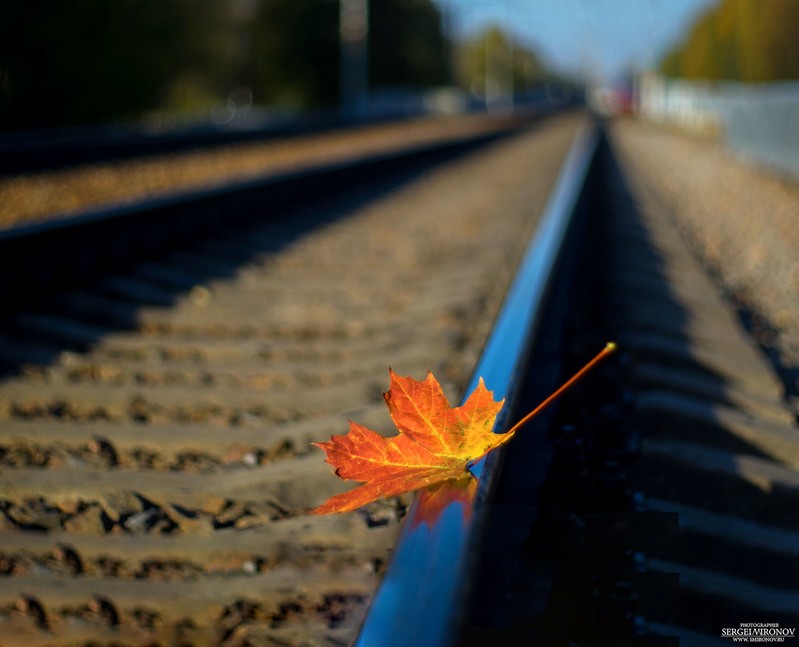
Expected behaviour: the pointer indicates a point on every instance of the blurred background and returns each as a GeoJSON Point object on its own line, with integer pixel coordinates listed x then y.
{"type": "Point", "coordinates": [712, 66]}
{"type": "Point", "coordinates": [93, 61]}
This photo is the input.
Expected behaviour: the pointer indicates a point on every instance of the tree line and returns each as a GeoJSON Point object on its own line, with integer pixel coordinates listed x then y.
{"type": "Point", "coordinates": [740, 40]}
{"type": "Point", "coordinates": [491, 63]}
{"type": "Point", "coordinates": [94, 61]}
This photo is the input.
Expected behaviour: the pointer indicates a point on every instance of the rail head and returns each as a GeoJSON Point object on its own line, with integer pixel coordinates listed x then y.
{"type": "Point", "coordinates": [421, 598]}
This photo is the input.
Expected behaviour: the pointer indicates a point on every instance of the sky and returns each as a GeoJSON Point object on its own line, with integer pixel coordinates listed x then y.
{"type": "Point", "coordinates": [599, 39]}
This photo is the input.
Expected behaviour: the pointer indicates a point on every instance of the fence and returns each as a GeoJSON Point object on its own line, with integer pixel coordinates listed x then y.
{"type": "Point", "coordinates": [760, 122]}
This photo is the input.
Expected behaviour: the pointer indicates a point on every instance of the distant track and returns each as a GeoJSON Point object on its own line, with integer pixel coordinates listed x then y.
{"type": "Point", "coordinates": [67, 250]}
{"type": "Point", "coordinates": [37, 197]}
{"type": "Point", "coordinates": [47, 150]}
{"type": "Point", "coordinates": [37, 151]}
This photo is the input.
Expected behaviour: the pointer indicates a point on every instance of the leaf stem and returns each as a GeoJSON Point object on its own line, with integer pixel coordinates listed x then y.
{"type": "Point", "coordinates": [607, 350]}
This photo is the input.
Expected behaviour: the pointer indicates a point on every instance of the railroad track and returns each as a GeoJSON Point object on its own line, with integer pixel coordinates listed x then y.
{"type": "Point", "coordinates": [156, 419]}
{"type": "Point", "coordinates": [44, 150]}
{"type": "Point", "coordinates": [656, 504]}
{"type": "Point", "coordinates": [155, 428]}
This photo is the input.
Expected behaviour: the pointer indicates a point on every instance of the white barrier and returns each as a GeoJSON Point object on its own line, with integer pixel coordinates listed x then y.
{"type": "Point", "coordinates": [758, 121]}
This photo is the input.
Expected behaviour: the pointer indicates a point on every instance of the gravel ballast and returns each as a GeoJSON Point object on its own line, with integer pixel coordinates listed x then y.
{"type": "Point", "coordinates": [742, 222]}
{"type": "Point", "coordinates": [163, 495]}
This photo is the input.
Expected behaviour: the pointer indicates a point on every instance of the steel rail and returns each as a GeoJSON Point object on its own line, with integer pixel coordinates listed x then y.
{"type": "Point", "coordinates": [422, 595]}
{"type": "Point", "coordinates": [45, 150]}
{"type": "Point", "coordinates": [51, 149]}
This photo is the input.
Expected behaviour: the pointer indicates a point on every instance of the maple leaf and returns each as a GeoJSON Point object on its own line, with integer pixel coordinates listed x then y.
{"type": "Point", "coordinates": [435, 443]}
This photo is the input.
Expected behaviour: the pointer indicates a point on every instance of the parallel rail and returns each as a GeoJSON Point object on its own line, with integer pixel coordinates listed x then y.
{"type": "Point", "coordinates": [70, 251]}
{"type": "Point", "coordinates": [40, 151]}
{"type": "Point", "coordinates": [43, 151]}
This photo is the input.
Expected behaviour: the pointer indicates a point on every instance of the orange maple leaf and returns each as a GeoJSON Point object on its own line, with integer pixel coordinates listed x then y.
{"type": "Point", "coordinates": [435, 443]}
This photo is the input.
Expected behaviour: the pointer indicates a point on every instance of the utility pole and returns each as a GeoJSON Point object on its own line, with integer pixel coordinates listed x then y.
{"type": "Point", "coordinates": [354, 54]}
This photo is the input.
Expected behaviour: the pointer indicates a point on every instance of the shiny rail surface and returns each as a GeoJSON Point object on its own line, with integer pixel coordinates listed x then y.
{"type": "Point", "coordinates": [421, 599]}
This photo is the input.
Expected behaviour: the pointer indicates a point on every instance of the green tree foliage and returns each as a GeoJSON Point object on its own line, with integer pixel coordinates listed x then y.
{"type": "Point", "coordinates": [781, 49]}
{"type": "Point", "coordinates": [295, 49]}
{"type": "Point", "coordinates": [406, 44]}
{"type": "Point", "coordinates": [83, 61]}
{"type": "Point", "coordinates": [87, 61]}
{"type": "Point", "coordinates": [294, 53]}
{"type": "Point", "coordinates": [490, 62]}
{"type": "Point", "coordinates": [742, 40]}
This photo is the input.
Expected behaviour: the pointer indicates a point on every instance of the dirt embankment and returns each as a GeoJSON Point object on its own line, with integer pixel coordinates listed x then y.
{"type": "Point", "coordinates": [56, 193]}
